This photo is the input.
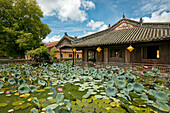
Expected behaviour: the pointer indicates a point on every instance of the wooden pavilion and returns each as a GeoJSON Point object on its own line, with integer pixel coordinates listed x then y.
{"type": "Point", "coordinates": [151, 43]}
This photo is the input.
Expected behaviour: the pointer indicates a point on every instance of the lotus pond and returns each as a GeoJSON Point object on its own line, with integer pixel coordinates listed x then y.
{"type": "Point", "coordinates": [61, 88]}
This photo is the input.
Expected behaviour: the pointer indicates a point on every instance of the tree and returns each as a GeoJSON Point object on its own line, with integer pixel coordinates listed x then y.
{"type": "Point", "coordinates": [42, 54]}
{"type": "Point", "coordinates": [21, 27]}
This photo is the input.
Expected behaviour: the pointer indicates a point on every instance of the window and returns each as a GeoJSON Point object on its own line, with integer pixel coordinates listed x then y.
{"type": "Point", "coordinates": [91, 55]}
{"type": "Point", "coordinates": [77, 55]}
{"type": "Point", "coordinates": [115, 53]}
{"type": "Point", "coordinates": [151, 52]}
{"type": "Point", "coordinates": [70, 55]}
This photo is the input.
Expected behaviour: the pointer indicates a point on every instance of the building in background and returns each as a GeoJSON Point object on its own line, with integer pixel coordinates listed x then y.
{"type": "Point", "coordinates": [150, 41]}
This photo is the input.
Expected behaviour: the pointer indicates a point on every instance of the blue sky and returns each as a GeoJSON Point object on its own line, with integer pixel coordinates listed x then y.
{"type": "Point", "coordinates": [83, 17]}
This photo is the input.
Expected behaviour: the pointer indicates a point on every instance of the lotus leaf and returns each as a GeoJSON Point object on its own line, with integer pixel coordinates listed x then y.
{"type": "Point", "coordinates": [68, 104]}
{"type": "Point", "coordinates": [86, 72]}
{"type": "Point", "coordinates": [17, 107]}
{"type": "Point", "coordinates": [36, 102]}
{"type": "Point", "coordinates": [17, 76]}
{"type": "Point", "coordinates": [21, 82]}
{"type": "Point", "coordinates": [52, 106]}
{"type": "Point", "coordinates": [42, 100]}
{"type": "Point", "coordinates": [134, 95]}
{"type": "Point", "coordinates": [111, 91]}
{"type": "Point", "coordinates": [87, 94]}
{"type": "Point", "coordinates": [98, 96]}
{"type": "Point", "coordinates": [87, 109]}
{"type": "Point", "coordinates": [33, 110]}
{"type": "Point", "coordinates": [161, 96]}
{"type": "Point", "coordinates": [121, 84]}
{"type": "Point", "coordinates": [138, 87]}
{"type": "Point", "coordinates": [1, 84]}
{"type": "Point", "coordinates": [3, 104]}
{"type": "Point", "coordinates": [34, 78]}
{"type": "Point", "coordinates": [139, 101]}
{"type": "Point", "coordinates": [49, 110]}
{"type": "Point", "coordinates": [40, 90]}
{"type": "Point", "coordinates": [114, 67]}
{"type": "Point", "coordinates": [110, 84]}
{"type": "Point", "coordinates": [121, 71]}
{"type": "Point", "coordinates": [108, 67]}
{"type": "Point", "coordinates": [33, 88]}
{"type": "Point", "coordinates": [42, 83]}
{"type": "Point", "coordinates": [117, 110]}
{"type": "Point", "coordinates": [163, 105]}
{"type": "Point", "coordinates": [17, 103]}
{"type": "Point", "coordinates": [52, 101]}
{"type": "Point", "coordinates": [121, 78]}
{"type": "Point", "coordinates": [130, 87]}
{"type": "Point", "coordinates": [47, 88]}
{"type": "Point", "coordinates": [5, 79]}
{"type": "Point", "coordinates": [11, 81]}
{"type": "Point", "coordinates": [23, 89]}
{"type": "Point", "coordinates": [151, 73]}
{"type": "Point", "coordinates": [23, 106]}
{"type": "Point", "coordinates": [157, 87]}
{"type": "Point", "coordinates": [144, 97]}
{"type": "Point", "coordinates": [101, 110]}
{"type": "Point", "coordinates": [59, 98]}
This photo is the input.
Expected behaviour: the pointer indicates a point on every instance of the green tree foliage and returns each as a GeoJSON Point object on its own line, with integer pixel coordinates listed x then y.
{"type": "Point", "coordinates": [21, 27]}
{"type": "Point", "coordinates": [42, 54]}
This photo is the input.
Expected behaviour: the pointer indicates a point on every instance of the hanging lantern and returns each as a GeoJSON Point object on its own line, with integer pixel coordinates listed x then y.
{"type": "Point", "coordinates": [74, 50]}
{"type": "Point", "coordinates": [98, 49]}
{"type": "Point", "coordinates": [130, 48]}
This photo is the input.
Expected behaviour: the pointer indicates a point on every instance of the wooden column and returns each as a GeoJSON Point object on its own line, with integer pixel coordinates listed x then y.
{"type": "Point", "coordinates": [106, 55]}
{"type": "Point", "coordinates": [85, 55]}
{"type": "Point", "coordinates": [60, 55]}
{"type": "Point", "coordinates": [127, 56]}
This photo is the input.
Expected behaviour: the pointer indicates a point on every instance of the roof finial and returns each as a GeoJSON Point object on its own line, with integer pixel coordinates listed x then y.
{"type": "Point", "coordinates": [123, 15]}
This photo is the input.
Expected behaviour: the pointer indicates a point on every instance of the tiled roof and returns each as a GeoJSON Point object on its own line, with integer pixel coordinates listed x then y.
{"type": "Point", "coordinates": [131, 35]}
{"type": "Point", "coordinates": [51, 44]}
{"type": "Point", "coordinates": [68, 51]}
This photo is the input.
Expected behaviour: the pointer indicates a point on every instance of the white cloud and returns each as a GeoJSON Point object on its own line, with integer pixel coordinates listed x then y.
{"type": "Point", "coordinates": [150, 6]}
{"type": "Point", "coordinates": [94, 25]}
{"type": "Point", "coordinates": [52, 39]}
{"type": "Point", "coordinates": [66, 9]}
{"type": "Point", "coordinates": [88, 33]}
{"type": "Point", "coordinates": [157, 16]}
{"type": "Point", "coordinates": [103, 27]}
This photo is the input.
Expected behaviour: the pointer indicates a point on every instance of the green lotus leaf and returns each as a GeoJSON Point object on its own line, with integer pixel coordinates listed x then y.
{"type": "Point", "coordinates": [114, 67]}
{"type": "Point", "coordinates": [110, 84]}
{"type": "Point", "coordinates": [157, 87]}
{"type": "Point", "coordinates": [23, 89]}
{"type": "Point", "coordinates": [21, 82]}
{"type": "Point", "coordinates": [42, 83]}
{"type": "Point", "coordinates": [129, 108]}
{"type": "Point", "coordinates": [1, 84]}
{"type": "Point", "coordinates": [44, 105]}
{"type": "Point", "coordinates": [121, 84]}
{"type": "Point", "coordinates": [134, 95]}
{"type": "Point", "coordinates": [40, 90]}
{"type": "Point", "coordinates": [87, 109]}
{"type": "Point", "coordinates": [33, 88]}
{"type": "Point", "coordinates": [151, 73]}
{"type": "Point", "coordinates": [59, 98]}
{"type": "Point", "coordinates": [128, 69]}
{"type": "Point", "coordinates": [33, 110]}
{"type": "Point", "coordinates": [138, 87]}
{"type": "Point", "coordinates": [161, 96]}
{"type": "Point", "coordinates": [26, 105]}
{"type": "Point", "coordinates": [76, 108]}
{"type": "Point", "coordinates": [144, 97]}
{"type": "Point", "coordinates": [42, 100]}
{"type": "Point", "coordinates": [111, 91]}
{"type": "Point", "coordinates": [86, 72]}
{"type": "Point", "coordinates": [129, 86]}
{"type": "Point", "coordinates": [121, 71]}
{"type": "Point", "coordinates": [117, 110]}
{"type": "Point", "coordinates": [17, 107]}
{"type": "Point", "coordinates": [52, 106]}
{"type": "Point", "coordinates": [108, 67]}
{"type": "Point", "coordinates": [5, 79]}
{"type": "Point", "coordinates": [101, 110]}
{"type": "Point", "coordinates": [68, 104]}
{"type": "Point", "coordinates": [121, 77]}
{"type": "Point", "coordinates": [131, 77]}
{"type": "Point", "coordinates": [3, 104]}
{"type": "Point", "coordinates": [87, 94]}
{"type": "Point", "coordinates": [139, 101]}
{"type": "Point", "coordinates": [49, 110]}
{"type": "Point", "coordinates": [126, 93]}
{"type": "Point", "coordinates": [17, 76]}
{"type": "Point", "coordinates": [163, 105]}
{"type": "Point", "coordinates": [17, 103]}
{"type": "Point", "coordinates": [11, 81]}
{"type": "Point", "coordinates": [36, 102]}
{"type": "Point", "coordinates": [33, 78]}
{"type": "Point", "coordinates": [52, 101]}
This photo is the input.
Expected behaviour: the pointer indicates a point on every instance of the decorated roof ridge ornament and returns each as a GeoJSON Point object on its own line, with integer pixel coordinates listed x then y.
{"type": "Point", "coordinates": [123, 15]}
{"type": "Point", "coordinates": [130, 48]}
{"type": "Point", "coordinates": [98, 49]}
{"type": "Point", "coordinates": [74, 50]}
